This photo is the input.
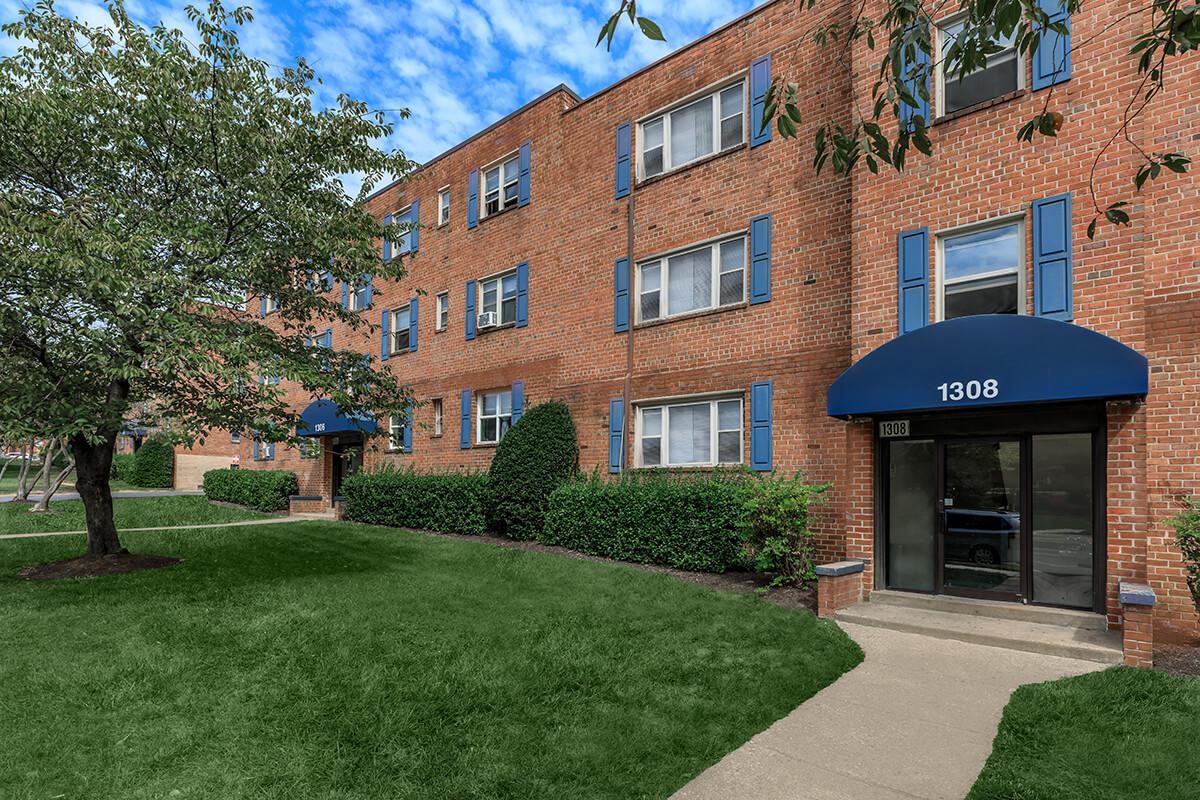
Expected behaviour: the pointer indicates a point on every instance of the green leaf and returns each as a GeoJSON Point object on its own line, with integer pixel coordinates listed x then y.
{"type": "Point", "coordinates": [650, 29]}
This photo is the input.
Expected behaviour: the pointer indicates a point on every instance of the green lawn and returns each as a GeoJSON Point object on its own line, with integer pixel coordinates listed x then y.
{"type": "Point", "coordinates": [129, 512]}
{"type": "Point", "coordinates": [1114, 735]}
{"type": "Point", "coordinates": [332, 660]}
{"type": "Point", "coordinates": [8, 485]}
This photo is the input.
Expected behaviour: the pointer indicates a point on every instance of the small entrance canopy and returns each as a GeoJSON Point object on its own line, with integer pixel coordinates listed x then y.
{"type": "Point", "coordinates": [323, 417]}
{"type": "Point", "coordinates": [988, 360]}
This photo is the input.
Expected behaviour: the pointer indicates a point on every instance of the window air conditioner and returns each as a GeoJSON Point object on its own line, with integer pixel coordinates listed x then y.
{"type": "Point", "coordinates": [488, 319]}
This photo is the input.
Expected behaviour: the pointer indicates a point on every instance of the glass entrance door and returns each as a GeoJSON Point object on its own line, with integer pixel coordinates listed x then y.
{"type": "Point", "coordinates": [981, 517]}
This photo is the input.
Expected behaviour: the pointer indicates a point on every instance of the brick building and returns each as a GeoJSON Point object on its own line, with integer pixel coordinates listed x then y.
{"type": "Point", "coordinates": [1005, 409]}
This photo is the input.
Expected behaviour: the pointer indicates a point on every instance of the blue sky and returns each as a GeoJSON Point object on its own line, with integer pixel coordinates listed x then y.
{"type": "Point", "coordinates": [458, 65]}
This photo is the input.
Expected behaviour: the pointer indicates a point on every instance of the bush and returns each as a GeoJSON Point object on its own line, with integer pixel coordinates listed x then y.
{"type": "Point", "coordinates": [533, 459]}
{"type": "Point", "coordinates": [261, 489]}
{"type": "Point", "coordinates": [1187, 537]}
{"type": "Point", "coordinates": [779, 538]}
{"type": "Point", "coordinates": [153, 464]}
{"type": "Point", "coordinates": [445, 502]}
{"type": "Point", "coordinates": [122, 466]}
{"type": "Point", "coordinates": [694, 522]}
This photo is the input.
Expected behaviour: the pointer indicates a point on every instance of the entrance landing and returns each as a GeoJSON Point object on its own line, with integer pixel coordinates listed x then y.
{"type": "Point", "coordinates": [915, 720]}
{"type": "Point", "coordinates": [1034, 629]}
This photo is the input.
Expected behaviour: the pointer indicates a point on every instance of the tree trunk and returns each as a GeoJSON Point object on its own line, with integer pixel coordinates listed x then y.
{"type": "Point", "coordinates": [22, 493]}
{"type": "Point", "coordinates": [51, 487]}
{"type": "Point", "coordinates": [93, 466]}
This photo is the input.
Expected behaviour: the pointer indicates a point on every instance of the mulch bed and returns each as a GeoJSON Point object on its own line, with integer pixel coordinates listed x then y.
{"type": "Point", "coordinates": [96, 566]}
{"type": "Point", "coordinates": [1177, 659]}
{"type": "Point", "coordinates": [741, 582]}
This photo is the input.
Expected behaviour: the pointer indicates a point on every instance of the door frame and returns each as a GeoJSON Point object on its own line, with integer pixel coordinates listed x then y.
{"type": "Point", "coordinates": [1020, 421]}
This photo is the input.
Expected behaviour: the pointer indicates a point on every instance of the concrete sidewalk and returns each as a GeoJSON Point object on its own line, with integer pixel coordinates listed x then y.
{"type": "Point", "coordinates": [33, 498]}
{"type": "Point", "coordinates": [915, 720]}
{"type": "Point", "coordinates": [238, 523]}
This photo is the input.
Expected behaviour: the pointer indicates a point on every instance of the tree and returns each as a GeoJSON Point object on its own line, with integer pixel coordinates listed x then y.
{"type": "Point", "coordinates": [900, 93]}
{"type": "Point", "coordinates": [148, 185]}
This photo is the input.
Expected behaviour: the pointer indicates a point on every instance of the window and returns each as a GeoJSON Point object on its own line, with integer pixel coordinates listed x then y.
{"type": "Point", "coordinates": [499, 295]}
{"type": "Point", "coordinates": [359, 296]}
{"type": "Point", "coordinates": [235, 437]}
{"type": "Point", "coordinates": [443, 311]}
{"type": "Point", "coordinates": [271, 305]}
{"type": "Point", "coordinates": [495, 416]}
{"type": "Point", "coordinates": [403, 242]}
{"type": "Point", "coordinates": [500, 187]}
{"type": "Point", "coordinates": [704, 277]}
{"type": "Point", "coordinates": [982, 272]}
{"type": "Point", "coordinates": [401, 330]}
{"type": "Point", "coordinates": [437, 416]}
{"type": "Point", "coordinates": [395, 433]}
{"type": "Point", "coordinates": [444, 205]}
{"type": "Point", "coordinates": [713, 123]}
{"type": "Point", "coordinates": [704, 433]}
{"type": "Point", "coordinates": [1002, 74]}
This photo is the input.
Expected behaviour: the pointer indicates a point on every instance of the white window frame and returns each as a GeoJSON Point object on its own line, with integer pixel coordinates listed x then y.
{"type": "Point", "coordinates": [714, 246]}
{"type": "Point", "coordinates": [940, 238]}
{"type": "Point", "coordinates": [272, 304]}
{"type": "Point", "coordinates": [395, 433]}
{"type": "Point", "coordinates": [235, 437]}
{"type": "Point", "coordinates": [714, 430]}
{"type": "Point", "coordinates": [513, 158]}
{"type": "Point", "coordinates": [479, 417]}
{"type": "Point", "coordinates": [940, 72]}
{"type": "Point", "coordinates": [497, 279]}
{"type": "Point", "coordinates": [441, 318]}
{"type": "Point", "coordinates": [356, 295]}
{"type": "Point", "coordinates": [403, 244]}
{"type": "Point", "coordinates": [664, 114]}
{"type": "Point", "coordinates": [438, 415]}
{"type": "Point", "coordinates": [443, 205]}
{"type": "Point", "coordinates": [394, 347]}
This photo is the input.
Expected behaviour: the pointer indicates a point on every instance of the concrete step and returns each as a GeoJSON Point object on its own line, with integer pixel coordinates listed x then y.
{"type": "Point", "coordinates": [1056, 640]}
{"type": "Point", "coordinates": [1044, 615]}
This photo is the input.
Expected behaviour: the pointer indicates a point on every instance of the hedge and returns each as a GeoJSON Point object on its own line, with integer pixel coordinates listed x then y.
{"type": "Point", "coordinates": [153, 464]}
{"type": "Point", "coordinates": [1187, 539]}
{"type": "Point", "coordinates": [538, 454]}
{"type": "Point", "coordinates": [445, 502]}
{"type": "Point", "coordinates": [695, 523]}
{"type": "Point", "coordinates": [264, 490]}
{"type": "Point", "coordinates": [122, 466]}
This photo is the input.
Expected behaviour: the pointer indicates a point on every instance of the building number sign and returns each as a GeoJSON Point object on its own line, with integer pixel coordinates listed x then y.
{"type": "Point", "coordinates": [954, 391]}
{"type": "Point", "coordinates": [892, 428]}
{"type": "Point", "coordinates": [319, 427]}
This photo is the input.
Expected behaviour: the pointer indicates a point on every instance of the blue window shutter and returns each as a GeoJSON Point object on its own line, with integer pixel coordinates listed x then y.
{"type": "Point", "coordinates": [370, 281]}
{"type": "Point", "coordinates": [414, 216]}
{"type": "Point", "coordinates": [329, 338]}
{"type": "Point", "coordinates": [464, 429]}
{"type": "Point", "coordinates": [624, 158]}
{"type": "Point", "coordinates": [760, 425]}
{"type": "Point", "coordinates": [621, 295]}
{"type": "Point", "coordinates": [760, 82]}
{"type": "Point", "coordinates": [345, 295]}
{"type": "Point", "coordinates": [919, 77]}
{"type": "Point", "coordinates": [383, 339]}
{"type": "Point", "coordinates": [1052, 295]}
{"type": "Point", "coordinates": [523, 174]}
{"type": "Point", "coordinates": [262, 306]}
{"type": "Point", "coordinates": [408, 427]}
{"type": "Point", "coordinates": [470, 308]}
{"type": "Point", "coordinates": [270, 451]}
{"type": "Point", "coordinates": [256, 448]}
{"type": "Point", "coordinates": [387, 245]}
{"type": "Point", "coordinates": [329, 276]}
{"type": "Point", "coordinates": [518, 400]}
{"type": "Point", "coordinates": [412, 325]}
{"type": "Point", "coordinates": [760, 259]}
{"type": "Point", "coordinates": [522, 294]}
{"type": "Point", "coordinates": [913, 279]}
{"type": "Point", "coordinates": [1052, 58]}
{"type": "Point", "coordinates": [616, 434]}
{"type": "Point", "coordinates": [473, 199]}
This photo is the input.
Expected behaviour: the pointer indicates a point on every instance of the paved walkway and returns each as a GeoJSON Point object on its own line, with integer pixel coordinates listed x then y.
{"type": "Point", "coordinates": [33, 498]}
{"type": "Point", "coordinates": [915, 720]}
{"type": "Point", "coordinates": [268, 521]}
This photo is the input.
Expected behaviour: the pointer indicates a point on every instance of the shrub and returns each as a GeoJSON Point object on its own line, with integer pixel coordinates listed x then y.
{"type": "Point", "coordinates": [1187, 537]}
{"type": "Point", "coordinates": [694, 522]}
{"type": "Point", "coordinates": [153, 464]}
{"type": "Point", "coordinates": [537, 455]}
{"type": "Point", "coordinates": [261, 489]}
{"type": "Point", "coordinates": [122, 466]}
{"type": "Point", "coordinates": [445, 502]}
{"type": "Point", "coordinates": [779, 537]}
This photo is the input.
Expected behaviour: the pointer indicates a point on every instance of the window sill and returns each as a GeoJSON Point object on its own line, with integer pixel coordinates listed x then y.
{"type": "Point", "coordinates": [693, 469]}
{"type": "Point", "coordinates": [484, 331]}
{"type": "Point", "coordinates": [440, 330]}
{"type": "Point", "coordinates": [699, 162]}
{"type": "Point", "coordinates": [485, 445]}
{"type": "Point", "coordinates": [435, 436]}
{"type": "Point", "coordinates": [500, 213]}
{"type": "Point", "coordinates": [398, 353]}
{"type": "Point", "coordinates": [706, 312]}
{"type": "Point", "coordinates": [980, 106]}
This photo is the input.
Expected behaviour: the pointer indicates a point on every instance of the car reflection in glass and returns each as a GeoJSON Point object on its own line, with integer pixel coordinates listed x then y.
{"type": "Point", "coordinates": [983, 549]}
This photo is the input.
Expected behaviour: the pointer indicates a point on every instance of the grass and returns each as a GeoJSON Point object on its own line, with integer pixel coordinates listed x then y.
{"type": "Point", "coordinates": [333, 660]}
{"type": "Point", "coordinates": [8, 485]}
{"type": "Point", "coordinates": [1111, 735]}
{"type": "Point", "coordinates": [129, 512]}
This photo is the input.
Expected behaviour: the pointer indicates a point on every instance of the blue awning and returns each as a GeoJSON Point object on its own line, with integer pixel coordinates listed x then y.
{"type": "Point", "coordinates": [323, 417]}
{"type": "Point", "coordinates": [988, 360]}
